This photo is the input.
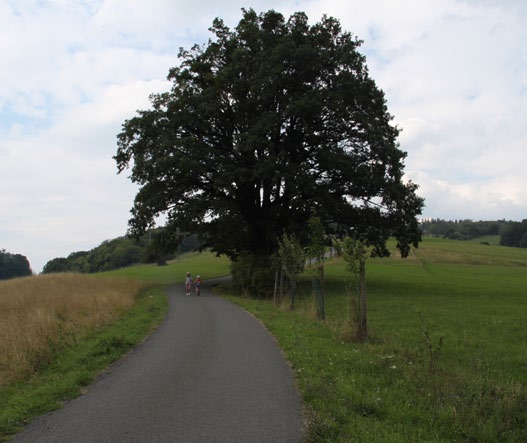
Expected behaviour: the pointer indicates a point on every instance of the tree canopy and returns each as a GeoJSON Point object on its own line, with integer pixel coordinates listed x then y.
{"type": "Point", "coordinates": [515, 235]}
{"type": "Point", "coordinates": [120, 252]}
{"type": "Point", "coordinates": [13, 265]}
{"type": "Point", "coordinates": [265, 124]}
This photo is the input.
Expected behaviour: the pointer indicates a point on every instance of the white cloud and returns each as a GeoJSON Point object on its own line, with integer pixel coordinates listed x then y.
{"type": "Point", "coordinates": [455, 80]}
{"type": "Point", "coordinates": [491, 200]}
{"type": "Point", "coordinates": [454, 73]}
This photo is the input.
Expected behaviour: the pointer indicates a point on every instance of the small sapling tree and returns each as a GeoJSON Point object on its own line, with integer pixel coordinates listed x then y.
{"type": "Point", "coordinates": [292, 260]}
{"type": "Point", "coordinates": [355, 253]}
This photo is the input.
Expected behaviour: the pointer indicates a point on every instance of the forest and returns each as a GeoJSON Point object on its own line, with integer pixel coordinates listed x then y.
{"type": "Point", "coordinates": [121, 252]}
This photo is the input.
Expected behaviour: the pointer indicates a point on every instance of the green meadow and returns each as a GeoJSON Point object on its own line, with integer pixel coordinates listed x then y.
{"type": "Point", "coordinates": [446, 360]}
{"type": "Point", "coordinates": [205, 264]}
{"type": "Point", "coordinates": [447, 356]}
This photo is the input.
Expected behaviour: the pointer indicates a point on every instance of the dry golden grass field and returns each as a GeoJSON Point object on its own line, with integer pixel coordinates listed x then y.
{"type": "Point", "coordinates": [40, 314]}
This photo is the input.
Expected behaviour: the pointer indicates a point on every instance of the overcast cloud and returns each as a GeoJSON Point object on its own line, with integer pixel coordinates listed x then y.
{"type": "Point", "coordinates": [454, 73]}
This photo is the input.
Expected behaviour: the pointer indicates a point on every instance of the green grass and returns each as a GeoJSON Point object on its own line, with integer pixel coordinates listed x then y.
{"type": "Point", "coordinates": [205, 264]}
{"type": "Point", "coordinates": [465, 381]}
{"type": "Point", "coordinates": [492, 240]}
{"type": "Point", "coordinates": [77, 364]}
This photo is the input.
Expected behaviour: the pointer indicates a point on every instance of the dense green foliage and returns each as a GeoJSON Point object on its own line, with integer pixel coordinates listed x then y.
{"type": "Point", "coordinates": [119, 253]}
{"type": "Point", "coordinates": [515, 234]}
{"type": "Point", "coordinates": [268, 122]}
{"type": "Point", "coordinates": [13, 265]}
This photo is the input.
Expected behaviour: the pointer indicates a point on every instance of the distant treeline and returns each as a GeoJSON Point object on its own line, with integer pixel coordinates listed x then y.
{"type": "Point", "coordinates": [119, 253]}
{"type": "Point", "coordinates": [124, 251]}
{"type": "Point", "coordinates": [511, 233]}
{"type": "Point", "coordinates": [13, 265]}
{"type": "Point", "coordinates": [515, 235]}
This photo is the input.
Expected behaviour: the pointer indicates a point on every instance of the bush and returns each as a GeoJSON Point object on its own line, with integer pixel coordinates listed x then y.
{"type": "Point", "coordinates": [252, 275]}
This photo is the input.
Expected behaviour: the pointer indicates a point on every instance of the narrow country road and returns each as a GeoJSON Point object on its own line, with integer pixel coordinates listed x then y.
{"type": "Point", "coordinates": [210, 373]}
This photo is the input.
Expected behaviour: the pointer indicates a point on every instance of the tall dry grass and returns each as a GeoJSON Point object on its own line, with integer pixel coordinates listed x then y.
{"type": "Point", "coordinates": [40, 314]}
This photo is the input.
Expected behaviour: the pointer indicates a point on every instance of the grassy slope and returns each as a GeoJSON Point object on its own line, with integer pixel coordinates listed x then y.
{"type": "Point", "coordinates": [447, 360]}
{"type": "Point", "coordinates": [205, 264]}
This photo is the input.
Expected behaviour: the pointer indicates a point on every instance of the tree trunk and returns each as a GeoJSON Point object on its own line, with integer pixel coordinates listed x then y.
{"type": "Point", "coordinates": [318, 291]}
{"type": "Point", "coordinates": [322, 310]}
{"type": "Point", "coordinates": [276, 287]}
{"type": "Point", "coordinates": [281, 286]}
{"type": "Point", "coordinates": [363, 322]}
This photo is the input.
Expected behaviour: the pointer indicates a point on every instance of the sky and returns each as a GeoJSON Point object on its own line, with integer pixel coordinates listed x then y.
{"type": "Point", "coordinates": [454, 73]}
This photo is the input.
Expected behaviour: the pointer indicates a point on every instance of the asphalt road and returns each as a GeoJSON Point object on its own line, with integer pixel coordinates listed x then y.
{"type": "Point", "coordinates": [210, 373]}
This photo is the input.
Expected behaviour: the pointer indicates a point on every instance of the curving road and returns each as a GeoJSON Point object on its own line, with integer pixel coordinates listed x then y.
{"type": "Point", "coordinates": [210, 373]}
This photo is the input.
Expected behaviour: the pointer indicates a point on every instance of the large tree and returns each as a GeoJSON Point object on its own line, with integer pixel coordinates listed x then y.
{"type": "Point", "coordinates": [265, 124]}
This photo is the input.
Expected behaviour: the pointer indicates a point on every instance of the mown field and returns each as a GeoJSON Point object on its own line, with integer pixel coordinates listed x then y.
{"type": "Point", "coordinates": [447, 355]}
{"type": "Point", "coordinates": [446, 360]}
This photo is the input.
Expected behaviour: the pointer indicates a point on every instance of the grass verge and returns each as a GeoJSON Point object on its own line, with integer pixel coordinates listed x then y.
{"type": "Point", "coordinates": [78, 363]}
{"type": "Point", "coordinates": [39, 315]}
